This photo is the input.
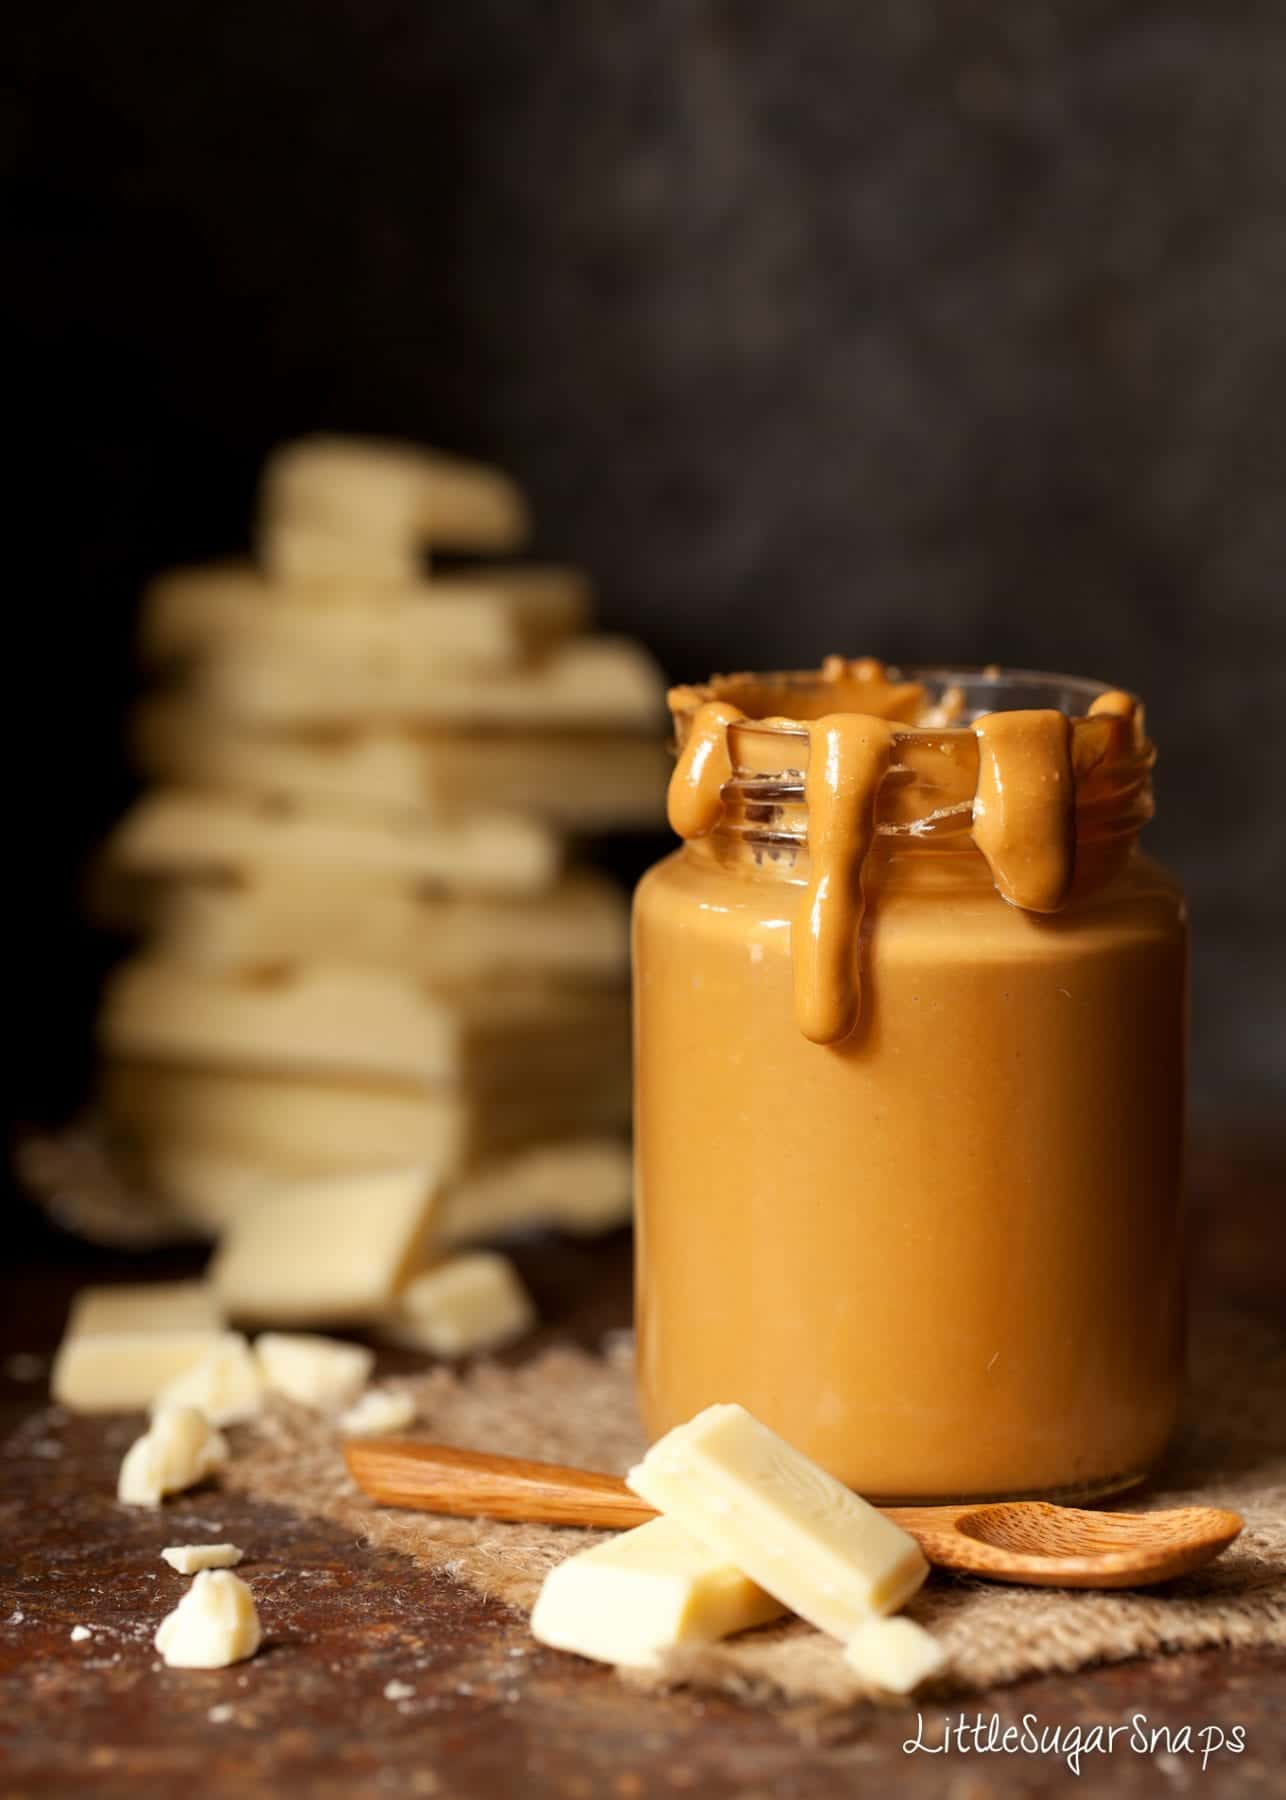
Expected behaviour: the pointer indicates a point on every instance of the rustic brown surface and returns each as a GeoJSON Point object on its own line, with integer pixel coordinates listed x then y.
{"type": "Point", "coordinates": [488, 1712]}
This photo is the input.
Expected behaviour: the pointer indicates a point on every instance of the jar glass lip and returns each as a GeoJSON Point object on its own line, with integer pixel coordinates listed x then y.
{"type": "Point", "coordinates": [953, 695]}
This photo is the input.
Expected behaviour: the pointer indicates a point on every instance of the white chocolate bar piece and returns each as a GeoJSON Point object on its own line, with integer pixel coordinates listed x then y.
{"type": "Point", "coordinates": [481, 618]}
{"type": "Point", "coordinates": [576, 782]}
{"type": "Point", "coordinates": [181, 831]}
{"type": "Point", "coordinates": [461, 1307]}
{"type": "Point", "coordinates": [144, 1306]}
{"type": "Point", "coordinates": [195, 1131]}
{"type": "Point", "coordinates": [338, 504]}
{"type": "Point", "coordinates": [226, 1385]}
{"type": "Point", "coordinates": [578, 929]}
{"type": "Point", "coordinates": [894, 1654]}
{"type": "Point", "coordinates": [123, 1370]}
{"type": "Point", "coordinates": [792, 1527]}
{"type": "Point", "coordinates": [580, 1186]}
{"type": "Point", "coordinates": [645, 1591]}
{"type": "Point", "coordinates": [190, 1559]}
{"type": "Point", "coordinates": [214, 1625]}
{"type": "Point", "coordinates": [178, 1449]}
{"type": "Point", "coordinates": [326, 1252]}
{"type": "Point", "coordinates": [320, 1372]}
{"type": "Point", "coordinates": [602, 684]}
{"type": "Point", "coordinates": [334, 1019]}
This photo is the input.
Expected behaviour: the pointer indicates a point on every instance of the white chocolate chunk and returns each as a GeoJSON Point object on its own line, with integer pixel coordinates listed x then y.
{"type": "Point", "coordinates": [488, 616]}
{"type": "Point", "coordinates": [631, 1597]}
{"type": "Point", "coordinates": [792, 1527]}
{"type": "Point", "coordinates": [599, 684]}
{"type": "Point", "coordinates": [180, 1448]}
{"type": "Point", "coordinates": [174, 831]}
{"type": "Point", "coordinates": [124, 1371]}
{"type": "Point", "coordinates": [144, 1306]}
{"type": "Point", "coordinates": [226, 1385]}
{"type": "Point", "coordinates": [79, 1633]}
{"type": "Point", "coordinates": [320, 1372]}
{"type": "Point", "coordinates": [190, 1559]}
{"type": "Point", "coordinates": [581, 1186]}
{"type": "Point", "coordinates": [578, 928]}
{"type": "Point", "coordinates": [894, 1654]}
{"type": "Point", "coordinates": [206, 1136]}
{"type": "Point", "coordinates": [335, 1019]}
{"type": "Point", "coordinates": [215, 1624]}
{"type": "Point", "coordinates": [379, 1411]}
{"type": "Point", "coordinates": [333, 1251]}
{"type": "Point", "coordinates": [461, 1307]}
{"type": "Point", "coordinates": [578, 782]}
{"type": "Point", "coordinates": [339, 505]}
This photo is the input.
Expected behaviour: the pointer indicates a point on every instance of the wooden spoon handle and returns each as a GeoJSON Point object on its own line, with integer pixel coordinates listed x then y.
{"type": "Point", "coordinates": [472, 1484]}
{"type": "Point", "coordinates": [475, 1484]}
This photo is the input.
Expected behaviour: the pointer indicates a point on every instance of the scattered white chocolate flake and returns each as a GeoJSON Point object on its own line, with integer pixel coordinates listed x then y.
{"type": "Point", "coordinates": [219, 1715]}
{"type": "Point", "coordinates": [398, 1690]}
{"type": "Point", "coordinates": [378, 1411]}
{"type": "Point", "coordinates": [79, 1633]}
{"type": "Point", "coordinates": [180, 1448]}
{"type": "Point", "coordinates": [190, 1559]}
{"type": "Point", "coordinates": [214, 1625]}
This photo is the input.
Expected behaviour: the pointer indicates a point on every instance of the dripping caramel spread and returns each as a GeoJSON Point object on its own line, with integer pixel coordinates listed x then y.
{"type": "Point", "coordinates": [910, 1021]}
{"type": "Point", "coordinates": [1022, 812]}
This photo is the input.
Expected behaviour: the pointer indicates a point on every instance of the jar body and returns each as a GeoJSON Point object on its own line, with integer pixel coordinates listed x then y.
{"type": "Point", "coordinates": [942, 1256]}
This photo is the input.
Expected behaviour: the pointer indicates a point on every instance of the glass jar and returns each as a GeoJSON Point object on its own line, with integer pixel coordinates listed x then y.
{"type": "Point", "coordinates": [939, 1249]}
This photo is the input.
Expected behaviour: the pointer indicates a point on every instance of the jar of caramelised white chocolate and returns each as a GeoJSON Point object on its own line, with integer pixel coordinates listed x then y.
{"type": "Point", "coordinates": [910, 1020]}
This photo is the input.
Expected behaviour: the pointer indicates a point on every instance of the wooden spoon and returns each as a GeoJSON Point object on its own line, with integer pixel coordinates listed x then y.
{"type": "Point", "coordinates": [1029, 1541]}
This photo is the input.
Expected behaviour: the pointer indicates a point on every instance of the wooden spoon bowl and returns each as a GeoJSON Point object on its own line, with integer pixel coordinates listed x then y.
{"type": "Point", "coordinates": [1028, 1541]}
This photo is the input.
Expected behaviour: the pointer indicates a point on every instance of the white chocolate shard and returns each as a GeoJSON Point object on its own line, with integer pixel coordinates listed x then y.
{"type": "Point", "coordinates": [645, 1591]}
{"type": "Point", "coordinates": [215, 1624]}
{"type": "Point", "coordinates": [179, 1449]}
{"type": "Point", "coordinates": [124, 1371]}
{"type": "Point", "coordinates": [320, 1372]}
{"type": "Point", "coordinates": [579, 1186]}
{"type": "Point", "coordinates": [792, 1527]}
{"type": "Point", "coordinates": [333, 1251]}
{"type": "Point", "coordinates": [894, 1654]}
{"type": "Point", "coordinates": [485, 617]}
{"type": "Point", "coordinates": [144, 1306]}
{"type": "Point", "coordinates": [332, 506]}
{"type": "Point", "coordinates": [226, 1385]}
{"type": "Point", "coordinates": [342, 1020]}
{"type": "Point", "coordinates": [190, 1559]}
{"type": "Point", "coordinates": [575, 781]}
{"type": "Point", "coordinates": [579, 928]}
{"type": "Point", "coordinates": [197, 1131]}
{"type": "Point", "coordinates": [598, 684]}
{"type": "Point", "coordinates": [185, 832]}
{"type": "Point", "coordinates": [378, 1413]}
{"type": "Point", "coordinates": [461, 1307]}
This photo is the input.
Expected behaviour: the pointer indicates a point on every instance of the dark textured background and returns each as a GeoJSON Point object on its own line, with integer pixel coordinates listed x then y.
{"type": "Point", "coordinates": [934, 329]}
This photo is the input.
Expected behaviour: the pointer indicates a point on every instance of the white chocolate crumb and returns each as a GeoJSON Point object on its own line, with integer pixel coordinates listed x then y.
{"type": "Point", "coordinates": [190, 1559]}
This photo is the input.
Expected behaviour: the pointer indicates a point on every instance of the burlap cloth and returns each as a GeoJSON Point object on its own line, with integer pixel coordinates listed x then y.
{"type": "Point", "coordinates": [567, 1406]}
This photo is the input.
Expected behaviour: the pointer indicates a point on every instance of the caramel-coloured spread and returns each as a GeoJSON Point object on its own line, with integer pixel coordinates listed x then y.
{"type": "Point", "coordinates": [910, 1021]}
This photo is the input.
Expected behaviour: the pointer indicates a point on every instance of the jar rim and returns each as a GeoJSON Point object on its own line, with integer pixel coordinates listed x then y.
{"type": "Point", "coordinates": [982, 687]}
